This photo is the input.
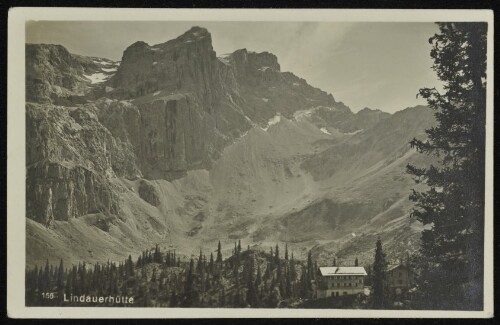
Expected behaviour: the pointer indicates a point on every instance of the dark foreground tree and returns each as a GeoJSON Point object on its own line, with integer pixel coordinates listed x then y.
{"type": "Point", "coordinates": [379, 278]}
{"type": "Point", "coordinates": [451, 254]}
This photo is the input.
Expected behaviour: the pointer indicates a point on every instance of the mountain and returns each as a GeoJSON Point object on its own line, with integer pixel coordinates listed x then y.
{"type": "Point", "coordinates": [177, 146]}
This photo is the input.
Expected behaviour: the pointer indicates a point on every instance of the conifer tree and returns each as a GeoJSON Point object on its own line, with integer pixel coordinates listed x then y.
{"type": "Point", "coordinates": [271, 260]}
{"type": "Point", "coordinates": [139, 261]}
{"type": "Point", "coordinates": [208, 284]}
{"type": "Point", "coordinates": [211, 266]}
{"type": "Point", "coordinates": [222, 297]}
{"type": "Point", "coordinates": [130, 266]}
{"type": "Point", "coordinates": [157, 255]}
{"type": "Point", "coordinates": [173, 298]}
{"type": "Point", "coordinates": [379, 277]}
{"type": "Point", "coordinates": [369, 275]}
{"type": "Point", "coordinates": [51, 275]}
{"type": "Point", "coordinates": [40, 281]}
{"type": "Point", "coordinates": [153, 276]}
{"type": "Point", "coordinates": [238, 299]}
{"type": "Point", "coordinates": [293, 271]}
{"type": "Point", "coordinates": [74, 281]}
{"type": "Point", "coordinates": [60, 277]}
{"type": "Point", "coordinates": [189, 289]}
{"type": "Point", "coordinates": [258, 278]}
{"type": "Point", "coordinates": [46, 285]}
{"type": "Point", "coordinates": [267, 273]}
{"type": "Point", "coordinates": [356, 262]}
{"type": "Point", "coordinates": [279, 273]}
{"type": "Point", "coordinates": [451, 253]}
{"type": "Point", "coordinates": [69, 285]}
{"type": "Point", "coordinates": [252, 297]}
{"type": "Point", "coordinates": [288, 284]}
{"type": "Point", "coordinates": [168, 261]}
{"type": "Point", "coordinates": [199, 264]}
{"type": "Point", "coordinates": [305, 283]}
{"type": "Point", "coordinates": [219, 254]}
{"type": "Point", "coordinates": [309, 265]}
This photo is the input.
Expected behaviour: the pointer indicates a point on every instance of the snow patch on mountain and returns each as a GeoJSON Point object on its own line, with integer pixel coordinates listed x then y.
{"type": "Point", "coordinates": [354, 132]}
{"type": "Point", "coordinates": [325, 131]}
{"type": "Point", "coordinates": [109, 69]}
{"type": "Point", "coordinates": [223, 59]}
{"type": "Point", "coordinates": [96, 77]}
{"type": "Point", "coordinates": [272, 121]}
{"type": "Point", "coordinates": [305, 113]}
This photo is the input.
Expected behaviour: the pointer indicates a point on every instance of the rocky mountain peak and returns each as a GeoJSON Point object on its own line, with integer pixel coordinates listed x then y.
{"type": "Point", "coordinates": [368, 110]}
{"type": "Point", "coordinates": [54, 75]}
{"type": "Point", "coordinates": [196, 32]}
{"type": "Point", "coordinates": [264, 60]}
{"type": "Point", "coordinates": [185, 63]}
{"type": "Point", "coordinates": [195, 36]}
{"type": "Point", "coordinates": [254, 61]}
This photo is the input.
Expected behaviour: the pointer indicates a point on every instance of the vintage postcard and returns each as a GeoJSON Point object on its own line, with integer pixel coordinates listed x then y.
{"type": "Point", "coordinates": [194, 163]}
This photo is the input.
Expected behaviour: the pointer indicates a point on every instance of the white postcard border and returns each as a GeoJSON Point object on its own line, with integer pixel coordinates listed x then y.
{"type": "Point", "coordinates": [16, 199]}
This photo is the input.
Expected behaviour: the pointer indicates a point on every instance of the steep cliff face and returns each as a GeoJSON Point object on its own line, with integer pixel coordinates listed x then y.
{"type": "Point", "coordinates": [168, 135]}
{"type": "Point", "coordinates": [187, 63]}
{"type": "Point", "coordinates": [60, 192]}
{"type": "Point", "coordinates": [68, 171]}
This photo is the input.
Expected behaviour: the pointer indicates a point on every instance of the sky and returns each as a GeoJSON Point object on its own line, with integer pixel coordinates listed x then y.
{"type": "Point", "coordinates": [375, 64]}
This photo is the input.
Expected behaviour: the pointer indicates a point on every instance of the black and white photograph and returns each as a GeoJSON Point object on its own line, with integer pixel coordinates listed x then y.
{"type": "Point", "coordinates": [222, 164]}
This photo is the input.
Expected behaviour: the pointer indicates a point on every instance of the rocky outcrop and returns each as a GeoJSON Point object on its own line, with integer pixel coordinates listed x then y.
{"type": "Point", "coordinates": [60, 192]}
{"type": "Point", "coordinates": [74, 136]}
{"type": "Point", "coordinates": [53, 75]}
{"type": "Point", "coordinates": [148, 193]}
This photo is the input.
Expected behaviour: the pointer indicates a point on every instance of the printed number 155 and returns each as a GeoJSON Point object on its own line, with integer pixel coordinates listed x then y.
{"type": "Point", "coordinates": [48, 295]}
